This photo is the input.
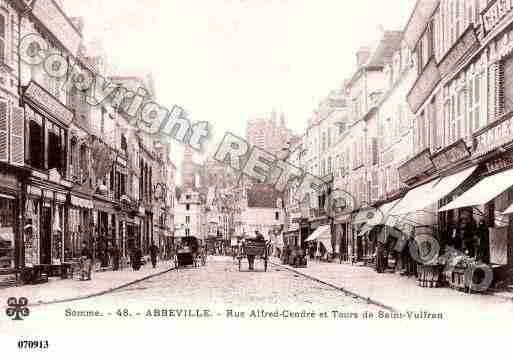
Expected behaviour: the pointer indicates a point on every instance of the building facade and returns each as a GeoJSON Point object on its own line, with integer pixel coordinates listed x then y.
{"type": "Point", "coordinates": [72, 173]}
{"type": "Point", "coordinates": [268, 134]}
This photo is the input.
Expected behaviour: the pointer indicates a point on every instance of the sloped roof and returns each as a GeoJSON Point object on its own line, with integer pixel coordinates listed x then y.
{"type": "Point", "coordinates": [262, 196]}
{"type": "Point", "coordinates": [382, 54]}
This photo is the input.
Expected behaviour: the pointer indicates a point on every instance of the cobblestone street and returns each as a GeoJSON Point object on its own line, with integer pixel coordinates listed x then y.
{"type": "Point", "coordinates": [217, 287]}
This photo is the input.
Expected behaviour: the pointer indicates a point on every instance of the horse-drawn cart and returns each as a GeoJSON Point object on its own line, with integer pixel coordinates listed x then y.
{"type": "Point", "coordinates": [255, 249]}
{"type": "Point", "coordinates": [189, 252]}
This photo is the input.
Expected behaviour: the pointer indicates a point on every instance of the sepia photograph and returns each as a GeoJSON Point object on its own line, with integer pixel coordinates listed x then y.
{"type": "Point", "coordinates": [259, 178]}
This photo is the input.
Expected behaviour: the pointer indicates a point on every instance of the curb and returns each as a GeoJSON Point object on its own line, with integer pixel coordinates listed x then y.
{"type": "Point", "coordinates": [342, 289]}
{"type": "Point", "coordinates": [97, 294]}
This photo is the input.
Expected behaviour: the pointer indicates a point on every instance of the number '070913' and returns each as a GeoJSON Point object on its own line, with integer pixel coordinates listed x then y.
{"type": "Point", "coordinates": [33, 344]}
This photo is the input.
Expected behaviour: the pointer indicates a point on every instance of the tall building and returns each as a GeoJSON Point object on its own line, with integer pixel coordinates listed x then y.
{"type": "Point", "coordinates": [188, 176]}
{"type": "Point", "coordinates": [268, 134]}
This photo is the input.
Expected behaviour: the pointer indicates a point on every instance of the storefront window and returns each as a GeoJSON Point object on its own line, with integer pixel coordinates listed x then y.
{"type": "Point", "coordinates": [56, 146]}
{"type": "Point", "coordinates": [6, 233]}
{"type": "Point", "coordinates": [57, 234]}
{"type": "Point", "coordinates": [31, 232]}
{"type": "Point", "coordinates": [35, 143]}
{"type": "Point", "coordinates": [45, 139]}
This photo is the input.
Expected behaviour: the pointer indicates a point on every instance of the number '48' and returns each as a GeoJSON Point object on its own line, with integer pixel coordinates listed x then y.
{"type": "Point", "coordinates": [123, 313]}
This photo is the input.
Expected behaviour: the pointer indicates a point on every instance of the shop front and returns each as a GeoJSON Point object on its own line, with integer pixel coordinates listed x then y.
{"type": "Point", "coordinates": [421, 228]}
{"type": "Point", "coordinates": [343, 236]}
{"type": "Point", "coordinates": [318, 243]}
{"type": "Point", "coordinates": [44, 233]}
{"type": "Point", "coordinates": [79, 225]}
{"type": "Point", "coordinates": [11, 245]}
{"type": "Point", "coordinates": [105, 232]}
{"type": "Point", "coordinates": [371, 233]}
{"type": "Point", "coordinates": [480, 221]}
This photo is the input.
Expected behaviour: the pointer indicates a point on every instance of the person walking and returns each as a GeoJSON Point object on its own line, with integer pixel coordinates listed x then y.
{"type": "Point", "coordinates": [154, 251]}
{"type": "Point", "coordinates": [114, 253]}
{"type": "Point", "coordinates": [136, 258]}
{"type": "Point", "coordinates": [86, 262]}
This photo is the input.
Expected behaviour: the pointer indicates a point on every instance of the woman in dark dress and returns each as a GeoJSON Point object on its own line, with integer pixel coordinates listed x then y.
{"type": "Point", "coordinates": [136, 258]}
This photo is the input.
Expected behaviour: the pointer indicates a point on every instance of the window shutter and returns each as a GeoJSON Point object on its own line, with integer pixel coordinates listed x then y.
{"type": "Point", "coordinates": [496, 72]}
{"type": "Point", "coordinates": [4, 132]}
{"type": "Point", "coordinates": [18, 136]}
{"type": "Point", "coordinates": [505, 82]}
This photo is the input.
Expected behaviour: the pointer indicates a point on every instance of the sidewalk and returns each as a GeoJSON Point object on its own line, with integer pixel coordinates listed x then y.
{"type": "Point", "coordinates": [402, 293]}
{"type": "Point", "coordinates": [60, 290]}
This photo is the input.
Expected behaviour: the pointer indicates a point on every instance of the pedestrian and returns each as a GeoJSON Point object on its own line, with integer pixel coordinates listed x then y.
{"type": "Point", "coordinates": [154, 251]}
{"type": "Point", "coordinates": [86, 262]}
{"type": "Point", "coordinates": [484, 242]}
{"type": "Point", "coordinates": [115, 257]}
{"type": "Point", "coordinates": [136, 258]}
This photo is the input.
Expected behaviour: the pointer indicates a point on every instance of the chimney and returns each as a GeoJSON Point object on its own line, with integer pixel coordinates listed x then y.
{"type": "Point", "coordinates": [362, 55]}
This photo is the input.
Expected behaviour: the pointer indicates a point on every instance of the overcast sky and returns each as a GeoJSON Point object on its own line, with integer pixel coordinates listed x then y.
{"type": "Point", "coordinates": [226, 61]}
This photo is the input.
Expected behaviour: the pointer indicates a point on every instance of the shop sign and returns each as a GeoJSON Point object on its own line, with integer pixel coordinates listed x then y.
{"type": "Point", "coordinates": [500, 163]}
{"type": "Point", "coordinates": [8, 180]}
{"type": "Point", "coordinates": [495, 12]}
{"type": "Point", "coordinates": [467, 42]}
{"type": "Point", "coordinates": [494, 137]}
{"type": "Point", "coordinates": [49, 13]}
{"type": "Point", "coordinates": [423, 86]}
{"type": "Point", "coordinates": [416, 166]}
{"type": "Point", "coordinates": [451, 155]}
{"type": "Point", "coordinates": [50, 104]}
{"type": "Point", "coordinates": [81, 202]}
{"type": "Point", "coordinates": [34, 191]}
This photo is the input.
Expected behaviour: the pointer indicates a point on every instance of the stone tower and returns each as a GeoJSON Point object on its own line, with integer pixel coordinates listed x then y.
{"type": "Point", "coordinates": [187, 168]}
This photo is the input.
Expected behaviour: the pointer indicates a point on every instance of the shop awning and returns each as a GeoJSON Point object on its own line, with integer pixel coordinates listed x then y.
{"type": "Point", "coordinates": [450, 183]}
{"type": "Point", "coordinates": [508, 210]}
{"type": "Point", "coordinates": [416, 199]}
{"type": "Point", "coordinates": [431, 192]}
{"type": "Point", "coordinates": [483, 192]}
{"type": "Point", "coordinates": [323, 235]}
{"type": "Point", "coordinates": [380, 217]}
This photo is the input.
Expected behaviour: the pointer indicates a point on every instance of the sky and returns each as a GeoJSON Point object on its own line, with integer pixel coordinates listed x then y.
{"type": "Point", "coordinates": [227, 61]}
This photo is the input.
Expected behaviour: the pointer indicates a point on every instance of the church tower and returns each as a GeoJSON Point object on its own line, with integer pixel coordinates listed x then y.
{"type": "Point", "coordinates": [187, 168]}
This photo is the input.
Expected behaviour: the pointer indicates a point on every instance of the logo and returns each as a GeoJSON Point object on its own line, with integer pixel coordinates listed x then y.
{"type": "Point", "coordinates": [17, 308]}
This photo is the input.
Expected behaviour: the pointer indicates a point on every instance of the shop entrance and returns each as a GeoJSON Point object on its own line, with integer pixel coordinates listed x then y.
{"type": "Point", "coordinates": [46, 235]}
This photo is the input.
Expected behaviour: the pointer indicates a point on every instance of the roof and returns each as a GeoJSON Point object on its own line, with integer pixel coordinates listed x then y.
{"type": "Point", "coordinates": [262, 196]}
{"type": "Point", "coordinates": [382, 54]}
{"type": "Point", "coordinates": [389, 43]}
